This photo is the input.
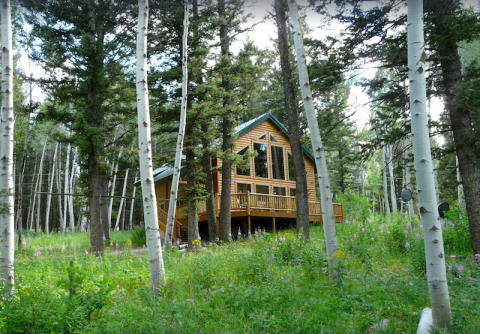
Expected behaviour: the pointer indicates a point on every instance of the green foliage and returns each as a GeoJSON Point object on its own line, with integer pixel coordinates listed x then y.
{"type": "Point", "coordinates": [456, 231]}
{"type": "Point", "coordinates": [270, 283]}
{"type": "Point", "coordinates": [357, 207]}
{"type": "Point", "coordinates": [139, 237]}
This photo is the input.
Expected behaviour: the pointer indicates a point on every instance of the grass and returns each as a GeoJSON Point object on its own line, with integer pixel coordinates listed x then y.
{"type": "Point", "coordinates": [274, 283]}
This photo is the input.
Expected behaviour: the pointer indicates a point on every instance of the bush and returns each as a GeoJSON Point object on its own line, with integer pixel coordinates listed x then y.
{"type": "Point", "coordinates": [357, 207]}
{"type": "Point", "coordinates": [139, 237]}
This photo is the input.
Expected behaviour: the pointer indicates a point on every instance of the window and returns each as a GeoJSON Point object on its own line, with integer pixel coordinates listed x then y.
{"type": "Point", "coordinates": [273, 140]}
{"type": "Point", "coordinates": [280, 191]}
{"type": "Point", "coordinates": [293, 191]}
{"type": "Point", "coordinates": [260, 189]}
{"type": "Point", "coordinates": [261, 161]}
{"type": "Point", "coordinates": [291, 168]}
{"type": "Point", "coordinates": [244, 187]}
{"type": "Point", "coordinates": [245, 172]}
{"type": "Point", "coordinates": [264, 137]}
{"type": "Point", "coordinates": [278, 163]}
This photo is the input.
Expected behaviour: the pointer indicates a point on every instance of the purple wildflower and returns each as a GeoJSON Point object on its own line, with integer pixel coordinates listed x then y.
{"type": "Point", "coordinates": [409, 224]}
{"type": "Point", "coordinates": [111, 244]}
{"type": "Point", "coordinates": [199, 238]}
{"type": "Point", "coordinates": [460, 270]}
{"type": "Point", "coordinates": [117, 245]}
{"type": "Point", "coordinates": [346, 221]}
{"type": "Point", "coordinates": [38, 253]}
{"type": "Point", "coordinates": [363, 230]}
{"type": "Point", "coordinates": [276, 239]}
{"type": "Point", "coordinates": [104, 239]}
{"type": "Point", "coordinates": [210, 251]}
{"type": "Point", "coordinates": [29, 240]}
{"type": "Point", "coordinates": [249, 233]}
{"type": "Point", "coordinates": [63, 248]}
{"type": "Point", "coordinates": [229, 235]}
{"type": "Point", "coordinates": [354, 235]}
{"type": "Point", "coordinates": [419, 237]}
{"type": "Point", "coordinates": [86, 252]}
{"type": "Point", "coordinates": [407, 245]}
{"type": "Point", "coordinates": [245, 252]}
{"type": "Point", "coordinates": [477, 257]}
{"type": "Point", "coordinates": [388, 232]}
{"type": "Point", "coordinates": [50, 248]}
{"type": "Point", "coordinates": [373, 239]}
{"type": "Point", "coordinates": [259, 230]}
{"type": "Point", "coordinates": [406, 232]}
{"type": "Point", "coordinates": [383, 226]}
{"type": "Point", "coordinates": [273, 256]}
{"type": "Point", "coordinates": [145, 246]}
{"type": "Point", "coordinates": [421, 227]}
{"type": "Point", "coordinates": [381, 231]}
{"type": "Point", "coordinates": [183, 255]}
{"type": "Point", "coordinates": [24, 243]}
{"type": "Point", "coordinates": [414, 229]}
{"type": "Point", "coordinates": [192, 301]}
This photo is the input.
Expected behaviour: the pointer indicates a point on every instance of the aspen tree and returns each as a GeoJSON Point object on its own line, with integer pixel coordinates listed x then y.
{"type": "Point", "coordinates": [393, 196]}
{"type": "Point", "coordinates": [51, 180]}
{"type": "Point", "coordinates": [434, 251]}
{"type": "Point", "coordinates": [132, 205]}
{"type": "Point", "coordinates": [72, 191]}
{"type": "Point", "coordinates": [6, 152]}
{"type": "Point", "coordinates": [317, 145]}
{"type": "Point", "coordinates": [122, 200]}
{"type": "Point", "coordinates": [181, 136]}
{"type": "Point", "coordinates": [408, 179]}
{"type": "Point", "coordinates": [66, 190]}
{"type": "Point", "coordinates": [112, 189]}
{"type": "Point", "coordinates": [385, 185]}
{"type": "Point", "coordinates": [154, 247]}
{"type": "Point", "coordinates": [39, 183]}
{"type": "Point", "coordinates": [461, 199]}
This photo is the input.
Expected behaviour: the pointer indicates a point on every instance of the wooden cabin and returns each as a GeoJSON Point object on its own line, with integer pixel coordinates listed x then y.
{"type": "Point", "coordinates": [263, 195]}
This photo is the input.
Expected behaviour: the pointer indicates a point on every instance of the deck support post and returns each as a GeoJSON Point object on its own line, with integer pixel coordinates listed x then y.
{"type": "Point", "coordinates": [274, 227]}
{"type": "Point", "coordinates": [249, 226]}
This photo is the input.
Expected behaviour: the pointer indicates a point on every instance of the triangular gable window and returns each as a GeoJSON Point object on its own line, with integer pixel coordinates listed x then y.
{"type": "Point", "coordinates": [264, 137]}
{"type": "Point", "coordinates": [273, 140]}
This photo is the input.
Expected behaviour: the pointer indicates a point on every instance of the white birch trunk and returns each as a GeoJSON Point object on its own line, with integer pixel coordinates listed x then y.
{"type": "Point", "coordinates": [83, 219]}
{"type": "Point", "coordinates": [112, 191]}
{"type": "Point", "coordinates": [181, 134]}
{"type": "Point", "coordinates": [7, 221]}
{"type": "Point", "coordinates": [318, 149]}
{"type": "Point", "coordinates": [72, 191]}
{"type": "Point", "coordinates": [385, 185]}
{"type": "Point", "coordinates": [49, 195]}
{"type": "Point", "coordinates": [33, 190]}
{"type": "Point", "coordinates": [461, 198]}
{"type": "Point", "coordinates": [432, 230]}
{"type": "Point", "coordinates": [39, 182]}
{"type": "Point", "coordinates": [408, 179]}
{"type": "Point", "coordinates": [59, 189]}
{"type": "Point", "coordinates": [132, 204]}
{"type": "Point", "coordinates": [393, 195]}
{"type": "Point", "coordinates": [122, 200]}
{"type": "Point", "coordinates": [67, 190]}
{"type": "Point", "coordinates": [154, 247]}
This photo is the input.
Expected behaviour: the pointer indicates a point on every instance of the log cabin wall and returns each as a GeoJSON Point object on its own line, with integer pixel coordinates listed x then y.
{"type": "Point", "coordinates": [270, 131]}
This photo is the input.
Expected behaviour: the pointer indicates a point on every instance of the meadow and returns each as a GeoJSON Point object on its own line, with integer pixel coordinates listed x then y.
{"type": "Point", "coordinates": [272, 283]}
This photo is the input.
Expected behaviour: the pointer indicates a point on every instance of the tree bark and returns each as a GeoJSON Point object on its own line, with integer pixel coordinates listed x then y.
{"type": "Point", "coordinates": [393, 195]}
{"type": "Point", "coordinates": [225, 230]}
{"type": "Point", "coordinates": [132, 205]}
{"type": "Point", "coordinates": [303, 225]}
{"type": "Point", "coordinates": [181, 136]}
{"type": "Point", "coordinates": [72, 191]}
{"type": "Point", "coordinates": [59, 190]}
{"type": "Point", "coordinates": [434, 251]}
{"type": "Point", "coordinates": [461, 196]}
{"type": "Point", "coordinates": [112, 189]}
{"type": "Point", "coordinates": [154, 248]}
{"type": "Point", "coordinates": [385, 185]}
{"type": "Point", "coordinates": [192, 202]}
{"type": "Point", "coordinates": [408, 180]}
{"type": "Point", "coordinates": [122, 200]}
{"type": "Point", "coordinates": [317, 145]}
{"type": "Point", "coordinates": [51, 181]}
{"type": "Point", "coordinates": [39, 181]}
{"type": "Point", "coordinates": [66, 190]}
{"type": "Point", "coordinates": [7, 220]}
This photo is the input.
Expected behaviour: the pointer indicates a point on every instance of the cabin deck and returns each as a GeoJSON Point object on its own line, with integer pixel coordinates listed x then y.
{"type": "Point", "coordinates": [252, 205]}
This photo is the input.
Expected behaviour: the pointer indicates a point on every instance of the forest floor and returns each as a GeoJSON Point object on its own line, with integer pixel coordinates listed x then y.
{"type": "Point", "coordinates": [274, 283]}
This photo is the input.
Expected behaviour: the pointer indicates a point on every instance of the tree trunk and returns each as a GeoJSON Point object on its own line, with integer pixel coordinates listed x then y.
{"type": "Point", "coordinates": [39, 182]}
{"type": "Point", "coordinates": [393, 195]}
{"type": "Point", "coordinates": [154, 248]}
{"type": "Point", "coordinates": [191, 185]}
{"type": "Point", "coordinates": [72, 191]}
{"type": "Point", "coordinates": [225, 230]}
{"type": "Point", "coordinates": [434, 252]}
{"type": "Point", "coordinates": [132, 205]}
{"type": "Point", "coordinates": [461, 196]}
{"type": "Point", "coordinates": [385, 185]}
{"type": "Point", "coordinates": [59, 190]}
{"type": "Point", "coordinates": [317, 145]}
{"type": "Point", "coordinates": [408, 182]}
{"type": "Point", "coordinates": [51, 181]}
{"type": "Point", "coordinates": [112, 189]}
{"type": "Point", "coordinates": [463, 133]}
{"type": "Point", "coordinates": [7, 221]}
{"type": "Point", "coordinates": [122, 200]}
{"type": "Point", "coordinates": [31, 200]}
{"type": "Point", "coordinates": [291, 106]}
{"type": "Point", "coordinates": [181, 136]}
{"type": "Point", "coordinates": [66, 190]}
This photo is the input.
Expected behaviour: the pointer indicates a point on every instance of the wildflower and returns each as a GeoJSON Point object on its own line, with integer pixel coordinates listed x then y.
{"type": "Point", "coordinates": [249, 233]}
{"type": "Point", "coordinates": [222, 291]}
{"type": "Point", "coordinates": [183, 255]}
{"type": "Point", "coordinates": [381, 231]}
{"type": "Point", "coordinates": [145, 246]}
{"type": "Point", "coordinates": [477, 257]}
{"type": "Point", "coordinates": [210, 251]}
{"type": "Point", "coordinates": [178, 242]}
{"type": "Point", "coordinates": [363, 230]}
{"type": "Point", "coordinates": [273, 247]}
{"type": "Point", "coordinates": [38, 253]}
{"type": "Point", "coordinates": [409, 224]}
{"type": "Point", "coordinates": [373, 239]}
{"type": "Point", "coordinates": [407, 245]}
{"type": "Point", "coordinates": [199, 238]}
{"type": "Point", "coordinates": [414, 229]}
{"type": "Point", "coordinates": [346, 221]}
{"type": "Point", "coordinates": [117, 245]}
{"type": "Point", "coordinates": [421, 227]}
{"type": "Point", "coordinates": [50, 248]}
{"type": "Point", "coordinates": [104, 239]}
{"type": "Point", "coordinates": [29, 240]}
{"type": "Point", "coordinates": [24, 243]}
{"type": "Point", "coordinates": [383, 226]}
{"type": "Point", "coordinates": [229, 235]}
{"type": "Point", "coordinates": [388, 232]}
{"type": "Point", "coordinates": [273, 256]}
{"type": "Point", "coordinates": [245, 252]}
{"type": "Point", "coordinates": [63, 248]}
{"type": "Point", "coordinates": [353, 223]}
{"type": "Point", "coordinates": [443, 224]}
{"type": "Point", "coordinates": [259, 230]}
{"type": "Point", "coordinates": [406, 232]}
{"type": "Point", "coordinates": [111, 244]}
{"type": "Point", "coordinates": [418, 236]}
{"type": "Point", "coordinates": [373, 230]}
{"type": "Point", "coordinates": [276, 239]}
{"type": "Point", "coordinates": [354, 235]}
{"type": "Point", "coordinates": [86, 252]}
{"type": "Point", "coordinates": [460, 271]}
{"type": "Point", "coordinates": [192, 301]}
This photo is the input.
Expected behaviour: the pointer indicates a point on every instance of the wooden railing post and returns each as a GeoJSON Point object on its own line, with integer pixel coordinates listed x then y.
{"type": "Point", "coordinates": [248, 203]}
{"type": "Point", "coordinates": [248, 214]}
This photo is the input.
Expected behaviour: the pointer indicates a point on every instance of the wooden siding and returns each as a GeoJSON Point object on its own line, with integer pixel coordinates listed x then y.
{"type": "Point", "coordinates": [269, 129]}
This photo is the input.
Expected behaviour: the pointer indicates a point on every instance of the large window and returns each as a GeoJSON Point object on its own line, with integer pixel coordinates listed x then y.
{"type": "Point", "coordinates": [279, 191]}
{"type": "Point", "coordinates": [291, 168]}
{"type": "Point", "coordinates": [245, 172]}
{"type": "Point", "coordinates": [278, 163]}
{"type": "Point", "coordinates": [261, 161]}
{"type": "Point", "coordinates": [261, 189]}
{"type": "Point", "coordinates": [244, 187]}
